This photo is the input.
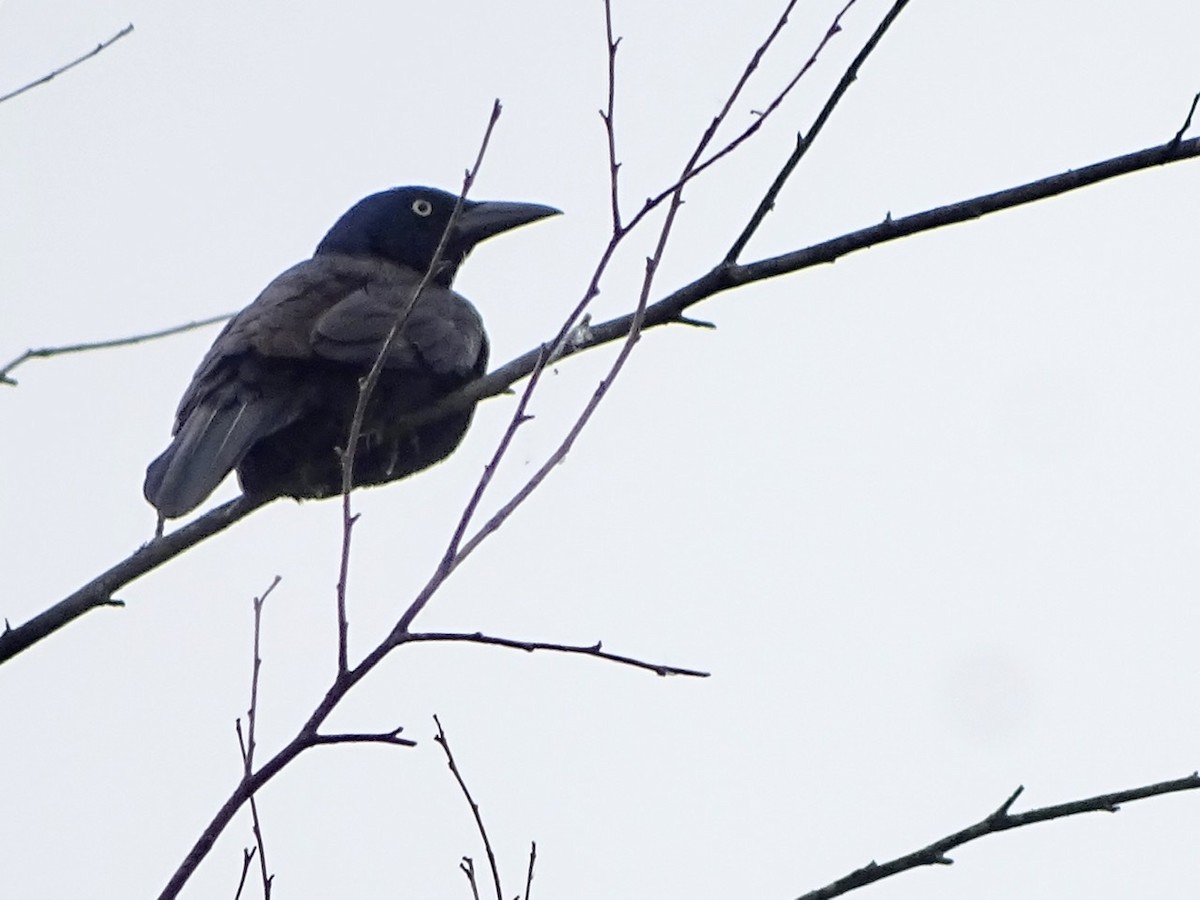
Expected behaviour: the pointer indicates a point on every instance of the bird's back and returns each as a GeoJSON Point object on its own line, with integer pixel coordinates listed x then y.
{"type": "Point", "coordinates": [275, 395]}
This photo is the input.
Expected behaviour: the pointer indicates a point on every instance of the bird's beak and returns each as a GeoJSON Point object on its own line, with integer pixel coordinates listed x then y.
{"type": "Point", "coordinates": [481, 220]}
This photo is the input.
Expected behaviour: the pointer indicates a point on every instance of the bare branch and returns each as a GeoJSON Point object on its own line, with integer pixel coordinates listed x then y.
{"type": "Point", "coordinates": [595, 649]}
{"type": "Point", "coordinates": [1000, 820]}
{"type": "Point", "coordinates": [99, 591]}
{"type": "Point", "coordinates": [725, 277]}
{"type": "Point", "coordinates": [440, 739]}
{"type": "Point", "coordinates": [128, 29]}
{"type": "Point", "coordinates": [804, 142]}
{"type": "Point", "coordinates": [664, 312]}
{"type": "Point", "coordinates": [44, 352]}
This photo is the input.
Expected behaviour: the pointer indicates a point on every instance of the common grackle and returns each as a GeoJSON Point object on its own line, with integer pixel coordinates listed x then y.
{"type": "Point", "coordinates": [275, 396]}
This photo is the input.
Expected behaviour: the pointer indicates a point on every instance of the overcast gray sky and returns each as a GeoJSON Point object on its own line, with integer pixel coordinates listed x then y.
{"type": "Point", "coordinates": [930, 516]}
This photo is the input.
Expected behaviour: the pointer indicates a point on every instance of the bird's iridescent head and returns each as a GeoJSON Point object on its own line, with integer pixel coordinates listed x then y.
{"type": "Point", "coordinates": [404, 225]}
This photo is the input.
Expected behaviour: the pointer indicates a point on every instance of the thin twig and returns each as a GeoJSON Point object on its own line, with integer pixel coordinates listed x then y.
{"type": "Point", "coordinates": [595, 649]}
{"type": "Point", "coordinates": [248, 745]}
{"type": "Point", "coordinates": [696, 168]}
{"type": "Point", "coordinates": [255, 822]}
{"type": "Point", "coordinates": [368, 385]}
{"type": "Point", "coordinates": [467, 865]}
{"type": "Point", "coordinates": [247, 858]}
{"type": "Point", "coordinates": [1187, 122]}
{"type": "Point", "coordinates": [724, 277]}
{"type": "Point", "coordinates": [128, 29]}
{"type": "Point", "coordinates": [1000, 820]}
{"type": "Point", "coordinates": [450, 558]}
{"type": "Point", "coordinates": [606, 115]}
{"type": "Point", "coordinates": [529, 871]}
{"type": "Point", "coordinates": [805, 141]}
{"type": "Point", "coordinates": [44, 352]}
{"type": "Point", "coordinates": [440, 739]}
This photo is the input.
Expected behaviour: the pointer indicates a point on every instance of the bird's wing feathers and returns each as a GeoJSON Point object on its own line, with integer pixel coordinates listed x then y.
{"type": "Point", "coordinates": [336, 308]}
{"type": "Point", "coordinates": [209, 442]}
{"type": "Point", "coordinates": [441, 332]}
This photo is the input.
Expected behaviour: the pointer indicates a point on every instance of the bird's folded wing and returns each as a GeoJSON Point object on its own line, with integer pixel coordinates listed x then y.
{"type": "Point", "coordinates": [207, 446]}
{"type": "Point", "coordinates": [441, 332]}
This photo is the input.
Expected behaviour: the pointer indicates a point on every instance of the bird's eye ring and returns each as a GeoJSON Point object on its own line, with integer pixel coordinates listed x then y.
{"type": "Point", "coordinates": [422, 207]}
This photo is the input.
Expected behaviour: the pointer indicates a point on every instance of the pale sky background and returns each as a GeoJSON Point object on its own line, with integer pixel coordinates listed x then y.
{"type": "Point", "coordinates": [930, 516]}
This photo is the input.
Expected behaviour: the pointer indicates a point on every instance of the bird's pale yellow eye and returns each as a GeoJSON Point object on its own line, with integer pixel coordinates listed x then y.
{"type": "Point", "coordinates": [422, 207]}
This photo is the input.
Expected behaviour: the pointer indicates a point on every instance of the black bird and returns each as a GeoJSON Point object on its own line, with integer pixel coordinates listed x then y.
{"type": "Point", "coordinates": [275, 395]}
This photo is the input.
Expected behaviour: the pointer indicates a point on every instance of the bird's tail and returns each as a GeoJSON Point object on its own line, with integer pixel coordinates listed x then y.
{"type": "Point", "coordinates": [210, 442]}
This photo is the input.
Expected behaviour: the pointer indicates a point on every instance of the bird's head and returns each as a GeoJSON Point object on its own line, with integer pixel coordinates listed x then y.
{"type": "Point", "coordinates": [404, 225]}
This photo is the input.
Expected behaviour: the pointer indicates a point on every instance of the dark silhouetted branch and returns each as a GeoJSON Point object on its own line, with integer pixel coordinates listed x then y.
{"type": "Point", "coordinates": [595, 649]}
{"type": "Point", "coordinates": [99, 591]}
{"type": "Point", "coordinates": [1000, 820]}
{"type": "Point", "coordinates": [128, 29]}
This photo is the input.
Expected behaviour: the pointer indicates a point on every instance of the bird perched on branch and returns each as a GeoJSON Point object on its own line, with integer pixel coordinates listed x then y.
{"type": "Point", "coordinates": [276, 394]}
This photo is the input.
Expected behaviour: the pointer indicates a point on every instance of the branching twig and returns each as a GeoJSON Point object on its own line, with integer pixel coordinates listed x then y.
{"type": "Point", "coordinates": [805, 141]}
{"type": "Point", "coordinates": [1000, 820]}
{"type": "Point", "coordinates": [440, 739]}
{"type": "Point", "coordinates": [256, 823]}
{"type": "Point", "coordinates": [694, 167]}
{"type": "Point", "coordinates": [72, 64]}
{"type": "Point", "coordinates": [44, 352]}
